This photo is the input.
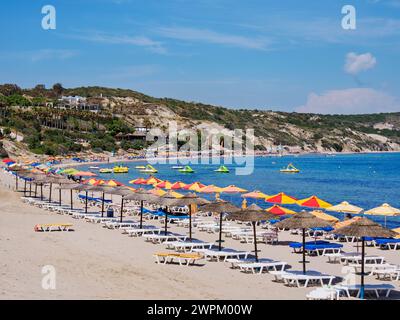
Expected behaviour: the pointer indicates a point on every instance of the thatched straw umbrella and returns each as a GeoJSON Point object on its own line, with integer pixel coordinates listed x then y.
{"type": "Point", "coordinates": [18, 170]}
{"type": "Point", "coordinates": [252, 214]}
{"type": "Point", "coordinates": [188, 200]}
{"type": "Point", "coordinates": [303, 220]}
{"type": "Point", "coordinates": [364, 228]}
{"type": "Point", "coordinates": [103, 189]}
{"type": "Point", "coordinates": [167, 200]}
{"type": "Point", "coordinates": [82, 187]}
{"type": "Point", "coordinates": [219, 207]}
{"type": "Point", "coordinates": [123, 192]}
{"type": "Point", "coordinates": [142, 195]}
{"type": "Point", "coordinates": [68, 186]}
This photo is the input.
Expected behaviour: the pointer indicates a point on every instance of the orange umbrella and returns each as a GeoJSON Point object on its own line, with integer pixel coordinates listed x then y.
{"type": "Point", "coordinates": [164, 185]}
{"type": "Point", "coordinates": [281, 198]}
{"type": "Point", "coordinates": [84, 174]}
{"type": "Point", "coordinates": [99, 182]}
{"type": "Point", "coordinates": [211, 189]}
{"type": "Point", "coordinates": [313, 202]}
{"type": "Point", "coordinates": [279, 211]}
{"type": "Point", "coordinates": [178, 185]}
{"type": "Point", "coordinates": [91, 181]}
{"type": "Point", "coordinates": [138, 181]}
{"type": "Point", "coordinates": [195, 186]}
{"type": "Point", "coordinates": [233, 189]}
{"type": "Point", "coordinates": [255, 195]}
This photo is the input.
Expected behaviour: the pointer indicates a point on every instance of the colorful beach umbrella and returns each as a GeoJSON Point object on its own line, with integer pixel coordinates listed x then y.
{"type": "Point", "coordinates": [281, 198]}
{"type": "Point", "coordinates": [152, 180]}
{"type": "Point", "coordinates": [211, 189]}
{"type": "Point", "coordinates": [345, 207]}
{"type": "Point", "coordinates": [279, 211]}
{"type": "Point", "coordinates": [195, 186]}
{"type": "Point", "coordinates": [397, 230]}
{"type": "Point", "coordinates": [178, 185]}
{"type": "Point", "coordinates": [255, 195]}
{"type": "Point", "coordinates": [345, 223]}
{"type": "Point", "coordinates": [158, 192]}
{"type": "Point", "coordinates": [138, 181]}
{"type": "Point", "coordinates": [313, 202]}
{"type": "Point", "coordinates": [233, 189]}
{"type": "Point", "coordinates": [91, 182]}
{"type": "Point", "coordinates": [163, 185]}
{"type": "Point", "coordinates": [114, 183]}
{"type": "Point", "coordinates": [84, 174]}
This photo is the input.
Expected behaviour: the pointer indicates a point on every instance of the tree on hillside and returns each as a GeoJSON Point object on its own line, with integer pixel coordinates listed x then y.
{"type": "Point", "coordinates": [9, 89]}
{"type": "Point", "coordinates": [58, 89]}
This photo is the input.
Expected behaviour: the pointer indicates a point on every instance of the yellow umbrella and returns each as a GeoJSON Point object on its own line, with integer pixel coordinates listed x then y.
{"type": "Point", "coordinates": [233, 189]}
{"type": "Point", "coordinates": [211, 189]}
{"type": "Point", "coordinates": [278, 210]}
{"type": "Point", "coordinates": [324, 216]}
{"type": "Point", "coordinates": [255, 195]}
{"type": "Point", "coordinates": [345, 207]}
{"type": "Point", "coordinates": [281, 198]}
{"type": "Point", "coordinates": [397, 230]}
{"type": "Point", "coordinates": [158, 192]}
{"type": "Point", "coordinates": [385, 210]}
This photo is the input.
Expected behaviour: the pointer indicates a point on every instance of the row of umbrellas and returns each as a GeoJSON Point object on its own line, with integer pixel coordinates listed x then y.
{"type": "Point", "coordinates": [361, 227]}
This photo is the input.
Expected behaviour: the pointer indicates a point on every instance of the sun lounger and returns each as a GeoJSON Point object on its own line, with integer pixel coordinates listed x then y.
{"type": "Point", "coordinates": [161, 237]}
{"type": "Point", "coordinates": [99, 219]}
{"type": "Point", "coordinates": [300, 279]}
{"type": "Point", "coordinates": [234, 262]}
{"type": "Point", "coordinates": [320, 247]}
{"type": "Point", "coordinates": [259, 267]}
{"type": "Point", "coordinates": [188, 246]}
{"type": "Point", "coordinates": [48, 227]}
{"type": "Point", "coordinates": [223, 254]}
{"type": "Point", "coordinates": [137, 232]}
{"type": "Point", "coordinates": [119, 225]}
{"type": "Point", "coordinates": [184, 259]}
{"type": "Point", "coordinates": [376, 289]}
{"type": "Point", "coordinates": [357, 259]}
{"type": "Point", "coordinates": [83, 215]}
{"type": "Point", "coordinates": [324, 293]}
{"type": "Point", "coordinates": [389, 244]}
{"type": "Point", "coordinates": [386, 272]}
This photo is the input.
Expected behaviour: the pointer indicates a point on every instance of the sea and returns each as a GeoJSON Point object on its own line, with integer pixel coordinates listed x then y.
{"type": "Point", "coordinates": [365, 180]}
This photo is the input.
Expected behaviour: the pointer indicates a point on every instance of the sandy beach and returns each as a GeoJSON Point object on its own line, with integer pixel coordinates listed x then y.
{"type": "Point", "coordinates": [93, 262]}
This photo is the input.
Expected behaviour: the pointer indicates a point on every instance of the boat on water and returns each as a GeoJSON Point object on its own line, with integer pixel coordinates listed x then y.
{"type": "Point", "coordinates": [106, 170]}
{"type": "Point", "coordinates": [290, 169]}
{"type": "Point", "coordinates": [222, 169]}
{"type": "Point", "coordinates": [186, 169]}
{"type": "Point", "coordinates": [120, 169]}
{"type": "Point", "coordinates": [140, 167]}
{"type": "Point", "coordinates": [149, 169]}
{"type": "Point", "coordinates": [177, 167]}
{"type": "Point", "coordinates": [94, 167]}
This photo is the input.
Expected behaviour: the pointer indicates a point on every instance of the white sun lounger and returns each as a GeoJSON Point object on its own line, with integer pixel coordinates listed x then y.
{"type": "Point", "coordinates": [234, 262]}
{"type": "Point", "coordinates": [259, 267]}
{"type": "Point", "coordinates": [99, 219]}
{"type": "Point", "coordinates": [188, 246]}
{"type": "Point", "coordinates": [223, 254]}
{"type": "Point", "coordinates": [121, 225]}
{"type": "Point", "coordinates": [358, 259]}
{"type": "Point", "coordinates": [374, 288]}
{"type": "Point", "coordinates": [159, 238]}
{"type": "Point", "coordinates": [181, 259]}
{"type": "Point", "coordinates": [324, 293]}
{"type": "Point", "coordinates": [298, 278]}
{"type": "Point", "coordinates": [386, 272]}
{"type": "Point", "coordinates": [137, 232]}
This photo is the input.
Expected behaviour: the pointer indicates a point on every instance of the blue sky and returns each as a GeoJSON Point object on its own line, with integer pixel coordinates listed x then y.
{"type": "Point", "coordinates": [282, 55]}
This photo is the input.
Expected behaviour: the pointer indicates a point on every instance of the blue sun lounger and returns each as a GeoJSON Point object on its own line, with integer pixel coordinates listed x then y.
{"type": "Point", "coordinates": [318, 248]}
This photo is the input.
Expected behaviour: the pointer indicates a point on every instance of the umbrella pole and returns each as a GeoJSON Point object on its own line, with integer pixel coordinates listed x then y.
{"type": "Point", "coordinates": [362, 268]}
{"type": "Point", "coordinates": [255, 240]}
{"type": "Point", "coordinates": [24, 187]}
{"type": "Point", "coordinates": [16, 182]}
{"type": "Point", "coordinates": [30, 188]}
{"type": "Point", "coordinates": [59, 196]}
{"type": "Point", "coordinates": [141, 214]}
{"type": "Point", "coordinates": [41, 192]}
{"type": "Point", "coordinates": [304, 251]}
{"type": "Point", "coordinates": [122, 208]}
{"type": "Point", "coordinates": [35, 190]}
{"type": "Point", "coordinates": [86, 201]}
{"type": "Point", "coordinates": [51, 187]}
{"type": "Point", "coordinates": [71, 200]}
{"type": "Point", "coordinates": [166, 218]}
{"type": "Point", "coordinates": [190, 222]}
{"type": "Point", "coordinates": [220, 232]}
{"type": "Point", "coordinates": [102, 205]}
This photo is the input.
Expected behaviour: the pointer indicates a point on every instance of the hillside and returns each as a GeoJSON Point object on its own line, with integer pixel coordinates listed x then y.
{"type": "Point", "coordinates": [54, 131]}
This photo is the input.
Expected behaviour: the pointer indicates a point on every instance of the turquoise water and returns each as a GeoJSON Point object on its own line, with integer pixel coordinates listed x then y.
{"type": "Point", "coordinates": [366, 180]}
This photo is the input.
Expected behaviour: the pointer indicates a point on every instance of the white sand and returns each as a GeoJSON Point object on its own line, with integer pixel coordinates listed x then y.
{"type": "Point", "coordinates": [96, 263]}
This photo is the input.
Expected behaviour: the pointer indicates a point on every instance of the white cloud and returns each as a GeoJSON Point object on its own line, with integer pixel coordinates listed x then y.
{"type": "Point", "coordinates": [209, 36]}
{"type": "Point", "coordinates": [356, 63]}
{"type": "Point", "coordinates": [140, 41]}
{"type": "Point", "coordinates": [350, 101]}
